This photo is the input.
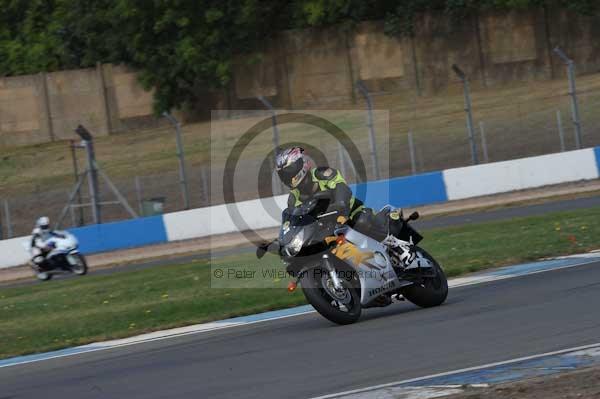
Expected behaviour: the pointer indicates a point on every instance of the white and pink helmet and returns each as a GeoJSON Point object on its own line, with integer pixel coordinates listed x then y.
{"type": "Point", "coordinates": [292, 166]}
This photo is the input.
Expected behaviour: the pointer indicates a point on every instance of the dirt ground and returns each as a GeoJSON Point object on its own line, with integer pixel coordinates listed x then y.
{"type": "Point", "coordinates": [584, 383]}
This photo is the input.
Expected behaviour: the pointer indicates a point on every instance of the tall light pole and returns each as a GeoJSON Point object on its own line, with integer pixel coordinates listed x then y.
{"type": "Point", "coordinates": [88, 144]}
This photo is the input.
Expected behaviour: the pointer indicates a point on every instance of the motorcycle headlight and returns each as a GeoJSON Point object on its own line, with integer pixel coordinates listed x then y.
{"type": "Point", "coordinates": [294, 246]}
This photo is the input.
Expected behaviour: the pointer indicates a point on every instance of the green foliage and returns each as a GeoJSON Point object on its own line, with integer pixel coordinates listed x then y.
{"type": "Point", "coordinates": [183, 48]}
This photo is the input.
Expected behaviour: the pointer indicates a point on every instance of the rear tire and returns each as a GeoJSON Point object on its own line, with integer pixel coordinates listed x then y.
{"type": "Point", "coordinates": [433, 291]}
{"type": "Point", "coordinates": [343, 309]}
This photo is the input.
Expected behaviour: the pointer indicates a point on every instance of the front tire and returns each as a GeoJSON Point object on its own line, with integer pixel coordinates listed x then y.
{"type": "Point", "coordinates": [341, 307]}
{"type": "Point", "coordinates": [432, 291]}
{"type": "Point", "coordinates": [78, 264]}
{"type": "Point", "coordinates": [43, 276]}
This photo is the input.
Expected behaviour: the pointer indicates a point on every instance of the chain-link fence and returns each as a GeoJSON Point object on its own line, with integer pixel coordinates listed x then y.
{"type": "Point", "coordinates": [518, 120]}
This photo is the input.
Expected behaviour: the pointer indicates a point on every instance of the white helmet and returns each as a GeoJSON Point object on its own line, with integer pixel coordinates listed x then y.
{"type": "Point", "coordinates": [43, 223]}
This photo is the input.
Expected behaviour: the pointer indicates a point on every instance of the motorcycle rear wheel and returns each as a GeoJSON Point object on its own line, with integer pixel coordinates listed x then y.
{"type": "Point", "coordinates": [341, 307]}
{"type": "Point", "coordinates": [433, 291]}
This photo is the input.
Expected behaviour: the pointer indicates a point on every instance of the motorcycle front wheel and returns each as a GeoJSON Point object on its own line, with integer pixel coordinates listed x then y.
{"type": "Point", "coordinates": [43, 276]}
{"type": "Point", "coordinates": [339, 306]}
{"type": "Point", "coordinates": [40, 273]}
{"type": "Point", "coordinates": [432, 291]}
{"type": "Point", "coordinates": [78, 264]}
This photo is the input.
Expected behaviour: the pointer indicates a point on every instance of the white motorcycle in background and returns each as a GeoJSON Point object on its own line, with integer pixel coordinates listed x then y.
{"type": "Point", "coordinates": [64, 256]}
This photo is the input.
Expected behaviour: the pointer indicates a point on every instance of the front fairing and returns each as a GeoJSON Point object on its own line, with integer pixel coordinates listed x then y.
{"type": "Point", "coordinates": [296, 232]}
{"type": "Point", "coordinates": [304, 232]}
{"type": "Point", "coordinates": [63, 243]}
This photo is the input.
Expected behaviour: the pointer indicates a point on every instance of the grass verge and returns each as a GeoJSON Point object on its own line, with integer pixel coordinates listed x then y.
{"type": "Point", "coordinates": [77, 311]}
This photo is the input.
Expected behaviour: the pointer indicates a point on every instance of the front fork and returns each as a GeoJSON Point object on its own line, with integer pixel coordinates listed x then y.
{"type": "Point", "coordinates": [326, 264]}
{"type": "Point", "coordinates": [337, 284]}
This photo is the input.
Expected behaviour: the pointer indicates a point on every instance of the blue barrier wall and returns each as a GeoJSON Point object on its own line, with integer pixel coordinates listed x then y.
{"type": "Point", "coordinates": [408, 191]}
{"type": "Point", "coordinates": [119, 235]}
{"type": "Point", "coordinates": [401, 192]}
{"type": "Point", "coordinates": [597, 154]}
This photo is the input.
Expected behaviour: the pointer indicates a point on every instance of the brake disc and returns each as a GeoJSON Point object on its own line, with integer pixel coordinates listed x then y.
{"type": "Point", "coordinates": [342, 296]}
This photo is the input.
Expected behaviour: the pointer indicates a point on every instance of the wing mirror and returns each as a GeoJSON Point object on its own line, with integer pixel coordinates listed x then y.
{"type": "Point", "coordinates": [263, 248]}
{"type": "Point", "coordinates": [413, 216]}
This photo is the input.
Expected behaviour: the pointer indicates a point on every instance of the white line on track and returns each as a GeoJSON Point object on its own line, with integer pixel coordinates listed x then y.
{"type": "Point", "coordinates": [448, 373]}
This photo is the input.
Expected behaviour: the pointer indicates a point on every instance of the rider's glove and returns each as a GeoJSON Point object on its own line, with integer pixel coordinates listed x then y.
{"type": "Point", "coordinates": [340, 222]}
{"type": "Point", "coordinates": [342, 219]}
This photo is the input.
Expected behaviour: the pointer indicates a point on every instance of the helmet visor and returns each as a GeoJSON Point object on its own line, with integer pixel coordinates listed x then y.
{"type": "Point", "coordinates": [292, 174]}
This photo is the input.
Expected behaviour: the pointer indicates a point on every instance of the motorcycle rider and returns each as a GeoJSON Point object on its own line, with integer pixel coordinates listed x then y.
{"type": "Point", "coordinates": [297, 171]}
{"type": "Point", "coordinates": [40, 248]}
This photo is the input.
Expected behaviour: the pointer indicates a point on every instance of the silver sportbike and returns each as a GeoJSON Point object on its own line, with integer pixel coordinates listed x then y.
{"type": "Point", "coordinates": [342, 271]}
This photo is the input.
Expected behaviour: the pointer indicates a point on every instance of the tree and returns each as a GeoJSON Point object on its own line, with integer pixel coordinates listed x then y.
{"type": "Point", "coordinates": [182, 48]}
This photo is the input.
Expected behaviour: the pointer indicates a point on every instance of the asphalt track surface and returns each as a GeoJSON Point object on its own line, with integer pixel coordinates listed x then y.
{"type": "Point", "coordinates": [307, 356]}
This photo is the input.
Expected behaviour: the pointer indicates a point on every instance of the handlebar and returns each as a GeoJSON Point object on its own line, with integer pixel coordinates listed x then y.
{"type": "Point", "coordinates": [327, 214]}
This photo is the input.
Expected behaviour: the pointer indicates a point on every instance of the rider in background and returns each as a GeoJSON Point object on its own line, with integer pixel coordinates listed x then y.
{"type": "Point", "coordinates": [40, 247]}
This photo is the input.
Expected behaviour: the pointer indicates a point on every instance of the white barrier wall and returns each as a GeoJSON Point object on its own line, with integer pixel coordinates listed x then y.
{"type": "Point", "coordinates": [13, 253]}
{"type": "Point", "coordinates": [451, 184]}
{"type": "Point", "coordinates": [214, 220]}
{"type": "Point", "coordinates": [519, 174]}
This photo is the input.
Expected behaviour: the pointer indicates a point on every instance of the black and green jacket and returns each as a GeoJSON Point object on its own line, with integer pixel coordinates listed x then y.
{"type": "Point", "coordinates": [323, 179]}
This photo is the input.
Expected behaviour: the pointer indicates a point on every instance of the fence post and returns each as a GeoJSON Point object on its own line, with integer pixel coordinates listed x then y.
{"type": "Point", "coordinates": [205, 185]}
{"type": "Point", "coordinates": [7, 221]}
{"type": "Point", "coordinates": [269, 106]}
{"type": "Point", "coordinates": [346, 160]}
{"type": "Point", "coordinates": [138, 195]}
{"type": "Point", "coordinates": [411, 149]}
{"type": "Point", "coordinates": [276, 185]}
{"type": "Point", "coordinates": [573, 93]}
{"type": "Point", "coordinates": [182, 172]}
{"type": "Point", "coordinates": [72, 212]}
{"type": "Point", "coordinates": [341, 160]}
{"type": "Point", "coordinates": [468, 109]}
{"type": "Point", "coordinates": [561, 133]}
{"type": "Point", "coordinates": [483, 142]}
{"type": "Point", "coordinates": [373, 143]}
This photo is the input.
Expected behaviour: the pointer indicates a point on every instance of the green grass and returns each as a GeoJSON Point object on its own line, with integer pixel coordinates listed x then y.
{"type": "Point", "coordinates": [72, 312]}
